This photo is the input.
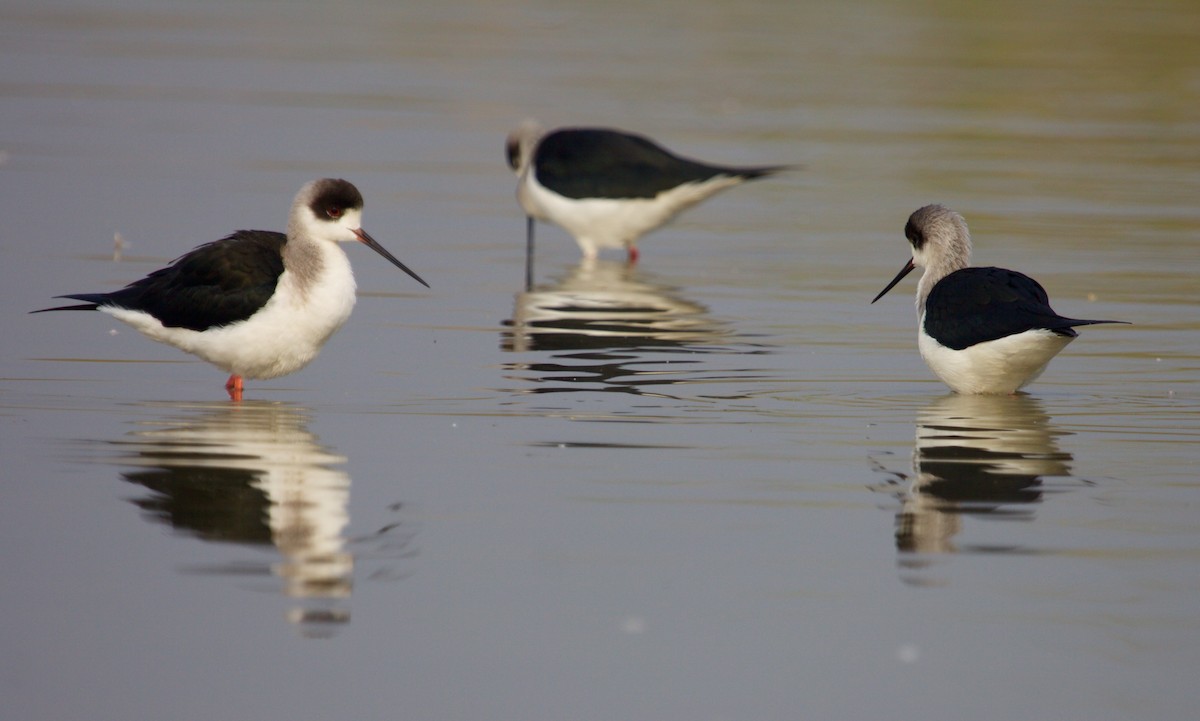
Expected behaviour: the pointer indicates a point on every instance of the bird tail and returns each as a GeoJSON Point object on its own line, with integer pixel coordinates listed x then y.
{"type": "Point", "coordinates": [1067, 326]}
{"type": "Point", "coordinates": [762, 171]}
{"type": "Point", "coordinates": [91, 301]}
{"type": "Point", "coordinates": [1077, 322]}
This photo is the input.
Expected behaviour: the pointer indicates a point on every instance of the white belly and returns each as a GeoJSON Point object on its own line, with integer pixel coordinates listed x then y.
{"type": "Point", "coordinates": [1000, 366]}
{"type": "Point", "coordinates": [281, 338]}
{"type": "Point", "coordinates": [598, 223]}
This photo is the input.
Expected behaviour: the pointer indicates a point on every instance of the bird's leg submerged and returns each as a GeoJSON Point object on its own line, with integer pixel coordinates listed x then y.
{"type": "Point", "coordinates": [235, 385]}
{"type": "Point", "coordinates": [529, 252]}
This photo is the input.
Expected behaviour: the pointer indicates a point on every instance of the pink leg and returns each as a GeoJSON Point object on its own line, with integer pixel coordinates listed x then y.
{"type": "Point", "coordinates": [235, 385]}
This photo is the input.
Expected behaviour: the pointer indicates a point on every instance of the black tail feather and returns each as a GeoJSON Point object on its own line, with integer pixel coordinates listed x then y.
{"type": "Point", "coordinates": [92, 301]}
{"type": "Point", "coordinates": [1074, 322]}
{"type": "Point", "coordinates": [753, 173]}
{"type": "Point", "coordinates": [1066, 326]}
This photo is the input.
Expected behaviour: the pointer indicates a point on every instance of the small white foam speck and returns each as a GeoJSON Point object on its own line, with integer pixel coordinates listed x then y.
{"type": "Point", "coordinates": [908, 653]}
{"type": "Point", "coordinates": [633, 625]}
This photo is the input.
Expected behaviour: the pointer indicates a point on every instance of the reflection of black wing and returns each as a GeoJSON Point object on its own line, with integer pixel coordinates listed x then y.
{"type": "Point", "coordinates": [976, 476]}
{"type": "Point", "coordinates": [600, 163]}
{"type": "Point", "coordinates": [216, 284]}
{"type": "Point", "coordinates": [215, 504]}
{"type": "Point", "coordinates": [582, 328]}
{"type": "Point", "coordinates": [977, 305]}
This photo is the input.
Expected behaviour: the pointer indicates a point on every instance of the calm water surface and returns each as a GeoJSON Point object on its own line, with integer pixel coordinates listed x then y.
{"type": "Point", "coordinates": [718, 485]}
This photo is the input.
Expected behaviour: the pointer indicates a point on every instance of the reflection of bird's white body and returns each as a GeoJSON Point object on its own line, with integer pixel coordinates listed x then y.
{"type": "Point", "coordinates": [306, 491]}
{"type": "Point", "coordinates": [974, 454]}
{"type": "Point", "coordinates": [257, 304]}
{"type": "Point", "coordinates": [608, 188]}
{"type": "Point", "coordinates": [608, 299]}
{"type": "Point", "coordinates": [981, 330]}
{"type": "Point", "coordinates": [1006, 434]}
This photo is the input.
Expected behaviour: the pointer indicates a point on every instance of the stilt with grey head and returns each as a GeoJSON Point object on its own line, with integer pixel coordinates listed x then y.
{"type": "Point", "coordinates": [981, 330]}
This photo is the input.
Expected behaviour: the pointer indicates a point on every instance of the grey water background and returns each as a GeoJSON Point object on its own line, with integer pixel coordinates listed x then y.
{"type": "Point", "coordinates": [718, 485]}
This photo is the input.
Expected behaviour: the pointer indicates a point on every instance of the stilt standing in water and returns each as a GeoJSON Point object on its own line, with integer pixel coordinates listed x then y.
{"type": "Point", "coordinates": [608, 188]}
{"type": "Point", "coordinates": [257, 304]}
{"type": "Point", "coordinates": [981, 330]}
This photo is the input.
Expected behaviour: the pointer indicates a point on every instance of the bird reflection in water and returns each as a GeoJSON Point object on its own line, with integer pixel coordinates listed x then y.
{"type": "Point", "coordinates": [983, 456]}
{"type": "Point", "coordinates": [608, 323]}
{"type": "Point", "coordinates": [253, 474]}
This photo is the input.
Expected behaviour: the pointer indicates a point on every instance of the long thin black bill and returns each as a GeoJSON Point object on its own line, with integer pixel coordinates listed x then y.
{"type": "Point", "coordinates": [374, 245]}
{"type": "Point", "coordinates": [908, 268]}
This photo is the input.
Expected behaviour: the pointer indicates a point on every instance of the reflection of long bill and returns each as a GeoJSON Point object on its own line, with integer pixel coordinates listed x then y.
{"type": "Point", "coordinates": [604, 303]}
{"type": "Point", "coordinates": [251, 473]}
{"type": "Point", "coordinates": [979, 455]}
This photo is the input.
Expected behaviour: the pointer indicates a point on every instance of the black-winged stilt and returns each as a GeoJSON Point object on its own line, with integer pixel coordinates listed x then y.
{"type": "Point", "coordinates": [607, 188]}
{"type": "Point", "coordinates": [981, 330]}
{"type": "Point", "coordinates": [257, 304]}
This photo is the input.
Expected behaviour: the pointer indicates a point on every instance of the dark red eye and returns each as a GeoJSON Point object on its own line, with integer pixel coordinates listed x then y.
{"type": "Point", "coordinates": [334, 212]}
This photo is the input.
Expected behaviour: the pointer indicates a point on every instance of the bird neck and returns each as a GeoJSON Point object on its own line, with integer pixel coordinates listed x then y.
{"type": "Point", "coordinates": [932, 276]}
{"type": "Point", "coordinates": [303, 260]}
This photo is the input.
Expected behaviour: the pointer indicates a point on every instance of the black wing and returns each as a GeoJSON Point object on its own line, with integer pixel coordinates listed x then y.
{"type": "Point", "coordinates": [977, 305]}
{"type": "Point", "coordinates": [216, 284]}
{"type": "Point", "coordinates": [600, 163]}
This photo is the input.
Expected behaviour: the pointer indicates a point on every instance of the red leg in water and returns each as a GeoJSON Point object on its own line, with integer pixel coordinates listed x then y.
{"type": "Point", "coordinates": [633, 254]}
{"type": "Point", "coordinates": [235, 385]}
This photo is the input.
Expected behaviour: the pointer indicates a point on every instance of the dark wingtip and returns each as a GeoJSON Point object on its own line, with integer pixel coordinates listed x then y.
{"type": "Point", "coordinates": [1067, 326]}
{"type": "Point", "coordinates": [91, 301]}
{"type": "Point", "coordinates": [765, 171]}
{"type": "Point", "coordinates": [86, 306]}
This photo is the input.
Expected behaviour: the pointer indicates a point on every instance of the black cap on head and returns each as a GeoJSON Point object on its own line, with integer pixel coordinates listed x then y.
{"type": "Point", "coordinates": [333, 196]}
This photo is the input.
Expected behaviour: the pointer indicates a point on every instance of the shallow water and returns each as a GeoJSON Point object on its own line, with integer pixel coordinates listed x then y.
{"type": "Point", "coordinates": [717, 485]}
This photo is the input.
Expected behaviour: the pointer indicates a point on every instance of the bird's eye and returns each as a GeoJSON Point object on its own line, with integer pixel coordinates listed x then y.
{"type": "Point", "coordinates": [334, 212]}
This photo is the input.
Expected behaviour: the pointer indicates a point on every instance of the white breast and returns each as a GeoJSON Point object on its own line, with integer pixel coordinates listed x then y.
{"type": "Point", "coordinates": [1000, 366]}
{"type": "Point", "coordinates": [282, 337]}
